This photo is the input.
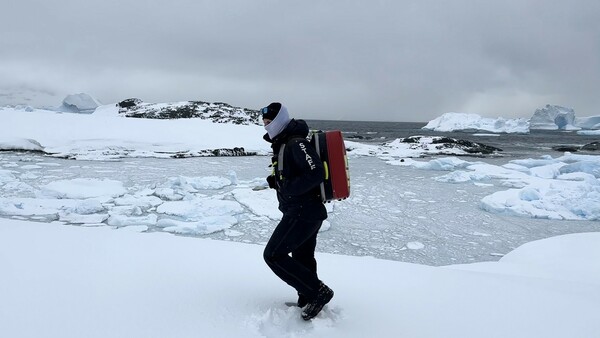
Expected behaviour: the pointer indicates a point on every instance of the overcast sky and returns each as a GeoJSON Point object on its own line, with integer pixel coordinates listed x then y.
{"type": "Point", "coordinates": [335, 59]}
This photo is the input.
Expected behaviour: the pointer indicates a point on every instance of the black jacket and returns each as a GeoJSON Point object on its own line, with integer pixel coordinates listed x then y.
{"type": "Point", "coordinates": [297, 184]}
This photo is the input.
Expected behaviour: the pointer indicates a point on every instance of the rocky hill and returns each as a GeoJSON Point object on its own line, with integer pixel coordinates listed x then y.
{"type": "Point", "coordinates": [217, 112]}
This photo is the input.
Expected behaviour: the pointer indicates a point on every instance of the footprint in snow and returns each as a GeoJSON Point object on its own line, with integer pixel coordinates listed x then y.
{"type": "Point", "coordinates": [286, 321]}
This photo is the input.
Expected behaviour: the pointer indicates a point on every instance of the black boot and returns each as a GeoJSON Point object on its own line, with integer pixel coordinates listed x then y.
{"type": "Point", "coordinates": [316, 305]}
{"type": "Point", "coordinates": [302, 300]}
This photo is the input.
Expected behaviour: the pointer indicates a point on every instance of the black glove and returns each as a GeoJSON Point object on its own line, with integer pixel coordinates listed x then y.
{"type": "Point", "coordinates": [271, 181]}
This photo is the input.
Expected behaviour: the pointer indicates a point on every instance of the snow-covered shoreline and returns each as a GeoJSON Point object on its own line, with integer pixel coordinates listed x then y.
{"type": "Point", "coordinates": [105, 135]}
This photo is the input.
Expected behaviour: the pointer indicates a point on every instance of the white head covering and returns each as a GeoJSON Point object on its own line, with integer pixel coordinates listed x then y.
{"type": "Point", "coordinates": [279, 123]}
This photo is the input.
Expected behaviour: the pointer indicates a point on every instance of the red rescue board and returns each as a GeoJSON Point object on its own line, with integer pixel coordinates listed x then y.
{"type": "Point", "coordinates": [332, 151]}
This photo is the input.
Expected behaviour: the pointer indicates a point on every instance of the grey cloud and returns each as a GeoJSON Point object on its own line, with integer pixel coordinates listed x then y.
{"type": "Point", "coordinates": [379, 60]}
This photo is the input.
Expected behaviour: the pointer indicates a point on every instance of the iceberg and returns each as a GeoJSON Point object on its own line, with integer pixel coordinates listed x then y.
{"type": "Point", "coordinates": [475, 123]}
{"type": "Point", "coordinates": [79, 103]}
{"type": "Point", "coordinates": [553, 117]}
{"type": "Point", "coordinates": [550, 117]}
{"type": "Point", "coordinates": [590, 122]}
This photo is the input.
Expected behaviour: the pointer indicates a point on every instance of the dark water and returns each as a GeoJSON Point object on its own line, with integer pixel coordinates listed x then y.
{"type": "Point", "coordinates": [537, 142]}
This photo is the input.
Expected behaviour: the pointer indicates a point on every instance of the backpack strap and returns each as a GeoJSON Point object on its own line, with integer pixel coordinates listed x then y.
{"type": "Point", "coordinates": [281, 152]}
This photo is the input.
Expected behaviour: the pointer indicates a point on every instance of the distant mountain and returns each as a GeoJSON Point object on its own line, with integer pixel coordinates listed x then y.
{"type": "Point", "coordinates": [217, 112]}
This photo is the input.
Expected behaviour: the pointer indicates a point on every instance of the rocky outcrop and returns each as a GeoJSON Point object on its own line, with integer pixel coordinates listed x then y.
{"type": "Point", "coordinates": [593, 146]}
{"type": "Point", "coordinates": [440, 142]}
{"type": "Point", "coordinates": [217, 112]}
{"type": "Point", "coordinates": [129, 103]}
{"type": "Point", "coordinates": [237, 151]}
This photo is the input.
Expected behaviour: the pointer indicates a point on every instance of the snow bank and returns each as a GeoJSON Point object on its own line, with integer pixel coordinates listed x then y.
{"type": "Point", "coordinates": [106, 135]}
{"type": "Point", "coordinates": [63, 281]}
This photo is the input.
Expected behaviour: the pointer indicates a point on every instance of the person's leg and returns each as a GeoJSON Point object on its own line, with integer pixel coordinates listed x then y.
{"type": "Point", "coordinates": [287, 237]}
{"type": "Point", "coordinates": [305, 255]}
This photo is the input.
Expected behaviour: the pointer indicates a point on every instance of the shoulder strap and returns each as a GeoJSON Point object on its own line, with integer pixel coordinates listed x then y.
{"type": "Point", "coordinates": [282, 151]}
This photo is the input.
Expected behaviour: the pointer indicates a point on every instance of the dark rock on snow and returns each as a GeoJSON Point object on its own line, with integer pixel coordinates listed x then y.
{"type": "Point", "coordinates": [448, 143]}
{"type": "Point", "coordinates": [594, 146]}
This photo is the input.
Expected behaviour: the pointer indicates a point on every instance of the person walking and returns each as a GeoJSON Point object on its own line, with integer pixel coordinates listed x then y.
{"type": "Point", "coordinates": [297, 174]}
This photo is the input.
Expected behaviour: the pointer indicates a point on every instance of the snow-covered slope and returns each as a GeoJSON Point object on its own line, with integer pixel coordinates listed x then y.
{"type": "Point", "coordinates": [65, 281]}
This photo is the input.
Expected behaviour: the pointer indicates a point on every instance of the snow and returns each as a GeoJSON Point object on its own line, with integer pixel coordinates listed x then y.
{"type": "Point", "coordinates": [105, 135]}
{"type": "Point", "coordinates": [551, 117]}
{"type": "Point", "coordinates": [124, 273]}
{"type": "Point", "coordinates": [102, 282]}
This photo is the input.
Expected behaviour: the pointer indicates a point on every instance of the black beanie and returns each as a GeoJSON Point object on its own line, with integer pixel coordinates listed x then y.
{"type": "Point", "coordinates": [272, 111]}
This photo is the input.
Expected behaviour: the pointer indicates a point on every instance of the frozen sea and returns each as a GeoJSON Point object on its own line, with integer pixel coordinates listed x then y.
{"type": "Point", "coordinates": [395, 213]}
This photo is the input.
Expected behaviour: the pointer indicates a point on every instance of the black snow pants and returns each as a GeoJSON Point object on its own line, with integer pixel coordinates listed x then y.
{"type": "Point", "coordinates": [298, 237]}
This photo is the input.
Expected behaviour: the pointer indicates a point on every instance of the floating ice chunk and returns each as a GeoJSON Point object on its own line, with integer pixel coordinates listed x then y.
{"type": "Point", "coordinates": [441, 164]}
{"type": "Point", "coordinates": [33, 206]}
{"type": "Point", "coordinates": [199, 208]}
{"type": "Point", "coordinates": [82, 219]}
{"type": "Point", "coordinates": [31, 167]}
{"type": "Point", "coordinates": [589, 167]}
{"type": "Point", "coordinates": [461, 176]}
{"type": "Point", "coordinates": [81, 188]}
{"type": "Point", "coordinates": [415, 245]}
{"type": "Point", "coordinates": [167, 194]}
{"type": "Point", "coordinates": [530, 194]}
{"type": "Point", "coordinates": [204, 226]}
{"type": "Point", "coordinates": [194, 184]}
{"type": "Point", "coordinates": [547, 171]}
{"type": "Point", "coordinates": [123, 220]}
{"type": "Point", "coordinates": [261, 202]}
{"type": "Point", "coordinates": [85, 207]}
{"type": "Point", "coordinates": [143, 202]}
{"type": "Point", "coordinates": [552, 199]}
{"type": "Point", "coordinates": [126, 210]}
{"type": "Point", "coordinates": [579, 176]}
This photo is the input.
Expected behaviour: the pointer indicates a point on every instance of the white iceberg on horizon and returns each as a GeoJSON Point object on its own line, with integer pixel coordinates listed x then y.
{"type": "Point", "coordinates": [553, 117]}
{"type": "Point", "coordinates": [475, 123]}
{"type": "Point", "coordinates": [79, 103]}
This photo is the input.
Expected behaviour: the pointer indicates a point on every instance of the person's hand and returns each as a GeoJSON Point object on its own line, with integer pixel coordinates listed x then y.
{"type": "Point", "coordinates": [271, 181]}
